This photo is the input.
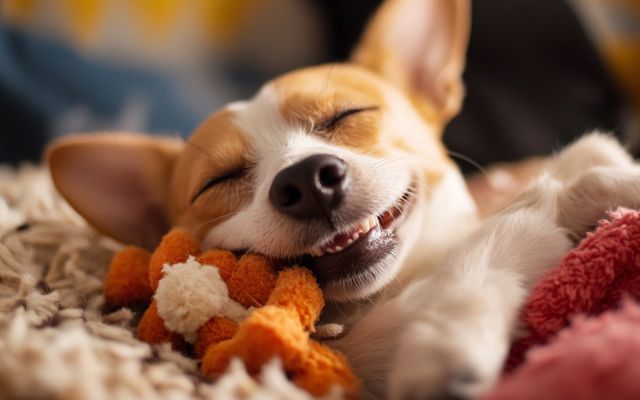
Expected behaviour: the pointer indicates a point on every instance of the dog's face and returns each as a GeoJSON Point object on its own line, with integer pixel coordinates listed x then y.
{"type": "Point", "coordinates": [324, 166]}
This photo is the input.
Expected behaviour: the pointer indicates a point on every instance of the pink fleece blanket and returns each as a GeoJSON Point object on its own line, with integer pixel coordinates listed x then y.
{"type": "Point", "coordinates": [580, 341]}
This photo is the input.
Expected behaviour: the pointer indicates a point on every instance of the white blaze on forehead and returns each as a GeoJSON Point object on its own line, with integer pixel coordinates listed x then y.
{"type": "Point", "coordinates": [259, 116]}
{"type": "Point", "coordinates": [269, 134]}
{"type": "Point", "coordinates": [274, 143]}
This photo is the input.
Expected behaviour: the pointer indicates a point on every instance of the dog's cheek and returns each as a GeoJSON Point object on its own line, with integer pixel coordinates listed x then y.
{"type": "Point", "coordinates": [214, 208]}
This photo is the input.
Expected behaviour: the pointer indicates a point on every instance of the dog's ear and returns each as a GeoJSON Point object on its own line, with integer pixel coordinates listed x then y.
{"type": "Point", "coordinates": [420, 45]}
{"type": "Point", "coordinates": [118, 182]}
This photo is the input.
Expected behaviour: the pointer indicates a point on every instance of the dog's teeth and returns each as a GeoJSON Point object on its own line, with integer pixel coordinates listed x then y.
{"type": "Point", "coordinates": [359, 230]}
{"type": "Point", "coordinates": [364, 226]}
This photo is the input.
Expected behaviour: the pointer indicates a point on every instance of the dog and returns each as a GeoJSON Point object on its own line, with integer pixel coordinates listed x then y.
{"type": "Point", "coordinates": [341, 168]}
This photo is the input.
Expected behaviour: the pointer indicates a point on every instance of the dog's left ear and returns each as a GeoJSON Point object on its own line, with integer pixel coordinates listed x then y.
{"type": "Point", "coordinates": [118, 182]}
{"type": "Point", "coordinates": [420, 45]}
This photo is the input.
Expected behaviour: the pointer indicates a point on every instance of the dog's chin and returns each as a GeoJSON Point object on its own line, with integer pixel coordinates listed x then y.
{"type": "Point", "coordinates": [358, 262]}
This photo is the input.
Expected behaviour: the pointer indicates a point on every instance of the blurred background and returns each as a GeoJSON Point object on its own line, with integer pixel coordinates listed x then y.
{"type": "Point", "coordinates": [539, 73]}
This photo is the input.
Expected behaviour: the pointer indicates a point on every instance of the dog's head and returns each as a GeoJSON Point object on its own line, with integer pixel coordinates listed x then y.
{"type": "Point", "coordinates": [326, 166]}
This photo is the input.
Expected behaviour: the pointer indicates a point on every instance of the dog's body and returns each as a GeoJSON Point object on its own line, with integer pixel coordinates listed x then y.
{"type": "Point", "coordinates": [341, 168]}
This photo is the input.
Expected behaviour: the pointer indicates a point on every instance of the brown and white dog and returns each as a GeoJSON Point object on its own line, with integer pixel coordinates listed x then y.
{"type": "Point", "coordinates": [341, 168]}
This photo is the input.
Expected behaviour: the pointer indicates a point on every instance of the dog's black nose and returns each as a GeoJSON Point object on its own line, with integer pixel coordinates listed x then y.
{"type": "Point", "coordinates": [311, 188]}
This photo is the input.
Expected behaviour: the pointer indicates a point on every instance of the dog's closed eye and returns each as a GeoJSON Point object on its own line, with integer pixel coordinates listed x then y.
{"type": "Point", "coordinates": [230, 175]}
{"type": "Point", "coordinates": [336, 118]}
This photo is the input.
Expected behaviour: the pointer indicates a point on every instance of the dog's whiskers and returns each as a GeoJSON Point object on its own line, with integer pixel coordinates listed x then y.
{"type": "Point", "coordinates": [214, 220]}
{"type": "Point", "coordinates": [468, 160]}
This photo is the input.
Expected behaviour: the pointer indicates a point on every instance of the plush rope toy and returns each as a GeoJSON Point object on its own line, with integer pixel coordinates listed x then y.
{"type": "Point", "coordinates": [227, 307]}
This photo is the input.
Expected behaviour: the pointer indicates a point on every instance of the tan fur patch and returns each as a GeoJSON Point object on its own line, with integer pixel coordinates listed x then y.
{"type": "Point", "coordinates": [216, 148]}
{"type": "Point", "coordinates": [312, 95]}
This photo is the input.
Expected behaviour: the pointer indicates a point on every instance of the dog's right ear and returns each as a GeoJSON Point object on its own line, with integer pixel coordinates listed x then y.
{"type": "Point", "coordinates": [118, 182]}
{"type": "Point", "coordinates": [420, 46]}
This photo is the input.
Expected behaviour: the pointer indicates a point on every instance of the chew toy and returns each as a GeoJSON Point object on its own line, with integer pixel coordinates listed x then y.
{"type": "Point", "coordinates": [227, 307]}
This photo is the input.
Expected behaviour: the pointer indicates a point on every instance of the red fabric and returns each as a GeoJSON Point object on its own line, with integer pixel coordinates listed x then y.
{"type": "Point", "coordinates": [594, 359]}
{"type": "Point", "coordinates": [592, 278]}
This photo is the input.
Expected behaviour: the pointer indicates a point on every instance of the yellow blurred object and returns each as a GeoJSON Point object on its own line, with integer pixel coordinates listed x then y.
{"type": "Point", "coordinates": [20, 11]}
{"type": "Point", "coordinates": [226, 18]}
{"type": "Point", "coordinates": [157, 18]}
{"type": "Point", "coordinates": [85, 17]}
{"type": "Point", "coordinates": [89, 23]}
{"type": "Point", "coordinates": [615, 28]}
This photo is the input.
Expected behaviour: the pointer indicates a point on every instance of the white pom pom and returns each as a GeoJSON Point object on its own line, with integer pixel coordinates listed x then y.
{"type": "Point", "coordinates": [189, 294]}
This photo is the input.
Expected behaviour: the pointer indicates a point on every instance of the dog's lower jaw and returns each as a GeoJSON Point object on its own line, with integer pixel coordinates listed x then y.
{"type": "Point", "coordinates": [398, 243]}
{"type": "Point", "coordinates": [371, 280]}
{"type": "Point", "coordinates": [365, 284]}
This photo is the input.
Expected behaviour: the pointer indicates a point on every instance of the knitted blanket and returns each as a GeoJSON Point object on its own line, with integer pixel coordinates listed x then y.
{"type": "Point", "coordinates": [57, 341]}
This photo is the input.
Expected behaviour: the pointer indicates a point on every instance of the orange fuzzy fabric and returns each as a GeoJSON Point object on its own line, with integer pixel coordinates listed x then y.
{"type": "Point", "coordinates": [271, 332]}
{"type": "Point", "coordinates": [225, 261]}
{"type": "Point", "coordinates": [127, 281]}
{"type": "Point", "coordinates": [252, 281]}
{"type": "Point", "coordinates": [276, 332]}
{"type": "Point", "coordinates": [151, 329]}
{"type": "Point", "coordinates": [214, 331]}
{"type": "Point", "coordinates": [297, 291]}
{"type": "Point", "coordinates": [323, 368]}
{"type": "Point", "coordinates": [175, 247]}
{"type": "Point", "coordinates": [287, 306]}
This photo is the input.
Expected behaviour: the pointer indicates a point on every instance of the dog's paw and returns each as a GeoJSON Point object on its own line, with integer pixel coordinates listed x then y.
{"type": "Point", "coordinates": [436, 383]}
{"type": "Point", "coordinates": [434, 364]}
{"type": "Point", "coordinates": [585, 201]}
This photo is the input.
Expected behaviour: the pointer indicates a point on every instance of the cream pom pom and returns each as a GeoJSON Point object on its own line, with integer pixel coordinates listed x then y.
{"type": "Point", "coordinates": [190, 293]}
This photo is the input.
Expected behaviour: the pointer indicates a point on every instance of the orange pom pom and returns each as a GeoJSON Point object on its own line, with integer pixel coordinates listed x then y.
{"type": "Point", "coordinates": [151, 328]}
{"type": "Point", "coordinates": [252, 281]}
{"type": "Point", "coordinates": [324, 368]}
{"type": "Point", "coordinates": [271, 332]}
{"type": "Point", "coordinates": [217, 358]}
{"type": "Point", "coordinates": [175, 247]}
{"type": "Point", "coordinates": [127, 281]}
{"type": "Point", "coordinates": [214, 331]}
{"type": "Point", "coordinates": [225, 261]}
{"type": "Point", "coordinates": [298, 291]}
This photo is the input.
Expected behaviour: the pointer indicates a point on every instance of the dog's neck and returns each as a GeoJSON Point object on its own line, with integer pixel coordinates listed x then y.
{"type": "Point", "coordinates": [448, 216]}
